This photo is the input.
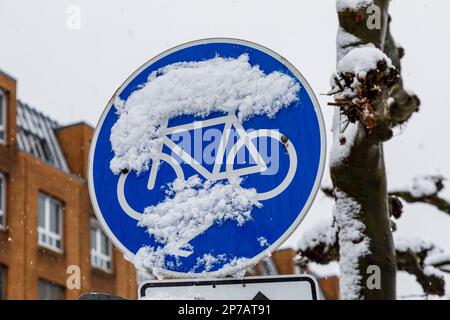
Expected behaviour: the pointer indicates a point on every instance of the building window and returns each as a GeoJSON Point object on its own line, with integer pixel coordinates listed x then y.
{"type": "Point", "coordinates": [3, 106]}
{"type": "Point", "coordinates": [50, 291]}
{"type": "Point", "coordinates": [50, 222]}
{"type": "Point", "coordinates": [101, 248]}
{"type": "Point", "coordinates": [2, 282]}
{"type": "Point", "coordinates": [2, 201]}
{"type": "Point", "coordinates": [37, 146]}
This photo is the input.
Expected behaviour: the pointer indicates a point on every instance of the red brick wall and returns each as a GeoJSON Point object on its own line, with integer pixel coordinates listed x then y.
{"type": "Point", "coordinates": [26, 262]}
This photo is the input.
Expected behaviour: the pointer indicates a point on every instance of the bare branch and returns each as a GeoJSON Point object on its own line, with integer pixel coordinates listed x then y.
{"type": "Point", "coordinates": [434, 200]}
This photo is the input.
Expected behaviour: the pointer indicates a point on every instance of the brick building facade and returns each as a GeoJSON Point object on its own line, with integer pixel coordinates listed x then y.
{"type": "Point", "coordinates": [47, 224]}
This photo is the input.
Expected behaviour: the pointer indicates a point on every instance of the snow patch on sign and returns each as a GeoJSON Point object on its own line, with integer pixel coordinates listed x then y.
{"type": "Point", "coordinates": [208, 261]}
{"type": "Point", "coordinates": [152, 259]}
{"type": "Point", "coordinates": [236, 267]}
{"type": "Point", "coordinates": [262, 241]}
{"type": "Point", "coordinates": [149, 259]}
{"type": "Point", "coordinates": [192, 206]}
{"type": "Point", "coordinates": [229, 85]}
{"type": "Point", "coordinates": [352, 244]}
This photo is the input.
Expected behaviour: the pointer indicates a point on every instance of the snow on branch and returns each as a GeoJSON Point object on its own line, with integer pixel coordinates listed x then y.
{"type": "Point", "coordinates": [441, 262]}
{"type": "Point", "coordinates": [411, 257]}
{"type": "Point", "coordinates": [342, 5]}
{"type": "Point", "coordinates": [363, 82]}
{"type": "Point", "coordinates": [319, 244]}
{"type": "Point", "coordinates": [418, 258]}
{"type": "Point", "coordinates": [367, 84]}
{"type": "Point", "coordinates": [425, 189]}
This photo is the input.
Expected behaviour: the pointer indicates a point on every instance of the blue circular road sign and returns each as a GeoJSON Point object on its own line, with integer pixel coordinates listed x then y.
{"type": "Point", "coordinates": [207, 158]}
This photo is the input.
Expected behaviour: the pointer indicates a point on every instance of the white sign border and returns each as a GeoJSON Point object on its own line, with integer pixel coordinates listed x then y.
{"type": "Point", "coordinates": [250, 262]}
{"type": "Point", "coordinates": [231, 281]}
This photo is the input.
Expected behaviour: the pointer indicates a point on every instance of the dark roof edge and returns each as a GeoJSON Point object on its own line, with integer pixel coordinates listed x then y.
{"type": "Point", "coordinates": [26, 105]}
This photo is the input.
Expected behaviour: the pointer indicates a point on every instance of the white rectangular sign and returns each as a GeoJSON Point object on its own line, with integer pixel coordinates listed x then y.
{"type": "Point", "coordinates": [249, 288]}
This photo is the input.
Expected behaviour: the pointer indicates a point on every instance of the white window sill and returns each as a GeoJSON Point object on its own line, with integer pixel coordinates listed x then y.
{"type": "Point", "coordinates": [48, 247]}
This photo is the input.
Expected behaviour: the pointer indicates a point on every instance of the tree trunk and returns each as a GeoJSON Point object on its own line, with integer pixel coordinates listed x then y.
{"type": "Point", "coordinates": [359, 179]}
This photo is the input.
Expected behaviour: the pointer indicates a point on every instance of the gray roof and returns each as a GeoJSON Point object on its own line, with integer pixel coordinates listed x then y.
{"type": "Point", "coordinates": [35, 135]}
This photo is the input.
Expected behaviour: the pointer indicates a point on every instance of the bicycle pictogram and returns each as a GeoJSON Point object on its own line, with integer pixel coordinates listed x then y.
{"type": "Point", "coordinates": [250, 176]}
{"type": "Point", "coordinates": [246, 139]}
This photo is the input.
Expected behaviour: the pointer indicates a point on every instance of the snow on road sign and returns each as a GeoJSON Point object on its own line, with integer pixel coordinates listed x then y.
{"type": "Point", "coordinates": [250, 288]}
{"type": "Point", "coordinates": [207, 158]}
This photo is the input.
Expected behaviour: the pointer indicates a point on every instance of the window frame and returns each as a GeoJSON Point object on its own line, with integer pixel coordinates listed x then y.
{"type": "Point", "coordinates": [4, 125]}
{"type": "Point", "coordinates": [96, 253]}
{"type": "Point", "coordinates": [50, 284]}
{"type": "Point", "coordinates": [3, 211]}
{"type": "Point", "coordinates": [46, 229]}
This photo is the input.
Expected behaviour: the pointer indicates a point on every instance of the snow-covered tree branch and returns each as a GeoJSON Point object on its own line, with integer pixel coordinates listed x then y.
{"type": "Point", "coordinates": [411, 257]}
{"type": "Point", "coordinates": [425, 190]}
{"type": "Point", "coordinates": [419, 258]}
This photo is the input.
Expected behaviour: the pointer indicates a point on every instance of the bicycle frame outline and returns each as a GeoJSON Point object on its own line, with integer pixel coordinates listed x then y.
{"type": "Point", "coordinates": [245, 138]}
{"type": "Point", "coordinates": [230, 120]}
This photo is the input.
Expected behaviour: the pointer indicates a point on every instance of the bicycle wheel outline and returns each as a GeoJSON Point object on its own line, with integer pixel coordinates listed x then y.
{"type": "Point", "coordinates": [292, 160]}
{"type": "Point", "coordinates": [122, 180]}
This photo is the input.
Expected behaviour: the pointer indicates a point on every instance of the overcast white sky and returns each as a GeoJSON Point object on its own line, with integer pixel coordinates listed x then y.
{"type": "Point", "coordinates": [71, 74]}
